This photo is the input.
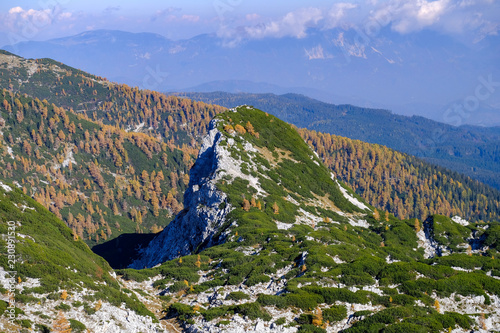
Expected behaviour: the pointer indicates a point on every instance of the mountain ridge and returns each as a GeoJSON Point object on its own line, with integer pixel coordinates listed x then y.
{"type": "Point", "coordinates": [203, 223]}
{"type": "Point", "coordinates": [467, 149]}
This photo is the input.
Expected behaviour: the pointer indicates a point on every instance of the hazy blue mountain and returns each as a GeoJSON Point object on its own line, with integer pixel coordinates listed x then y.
{"type": "Point", "coordinates": [386, 70]}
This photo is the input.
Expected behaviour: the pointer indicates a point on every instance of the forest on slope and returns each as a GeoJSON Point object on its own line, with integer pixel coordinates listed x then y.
{"type": "Point", "coordinates": [165, 131]}
{"type": "Point", "coordinates": [402, 184]}
{"type": "Point", "coordinates": [101, 180]}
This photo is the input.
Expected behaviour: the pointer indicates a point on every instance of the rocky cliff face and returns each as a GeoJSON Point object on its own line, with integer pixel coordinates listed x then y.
{"type": "Point", "coordinates": [224, 157]}
{"type": "Point", "coordinates": [206, 207]}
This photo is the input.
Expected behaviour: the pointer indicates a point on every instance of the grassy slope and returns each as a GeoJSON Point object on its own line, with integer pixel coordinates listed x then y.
{"type": "Point", "coordinates": [46, 249]}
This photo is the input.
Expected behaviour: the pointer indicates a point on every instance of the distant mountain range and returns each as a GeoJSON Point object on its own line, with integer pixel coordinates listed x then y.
{"type": "Point", "coordinates": [422, 73]}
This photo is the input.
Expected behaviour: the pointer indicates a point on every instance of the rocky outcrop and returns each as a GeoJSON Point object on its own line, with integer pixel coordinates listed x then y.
{"type": "Point", "coordinates": [426, 240]}
{"type": "Point", "coordinates": [199, 224]}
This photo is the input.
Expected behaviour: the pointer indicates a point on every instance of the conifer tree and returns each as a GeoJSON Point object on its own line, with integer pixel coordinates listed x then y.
{"type": "Point", "coordinates": [61, 324]}
{"type": "Point", "coordinates": [246, 205]}
{"type": "Point", "coordinates": [417, 225]}
{"type": "Point", "coordinates": [198, 261]}
{"type": "Point", "coordinates": [437, 306]}
{"type": "Point", "coordinates": [318, 318]}
{"type": "Point", "coordinates": [276, 208]}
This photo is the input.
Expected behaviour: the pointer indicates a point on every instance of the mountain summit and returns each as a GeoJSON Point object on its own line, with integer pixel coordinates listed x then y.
{"type": "Point", "coordinates": [251, 159]}
{"type": "Point", "coordinates": [269, 240]}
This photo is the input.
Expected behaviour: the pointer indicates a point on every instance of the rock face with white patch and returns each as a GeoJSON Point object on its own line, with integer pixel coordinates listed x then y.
{"type": "Point", "coordinates": [206, 207]}
{"type": "Point", "coordinates": [459, 220]}
{"type": "Point", "coordinates": [350, 198]}
{"type": "Point", "coordinates": [6, 188]}
{"type": "Point", "coordinates": [427, 242]}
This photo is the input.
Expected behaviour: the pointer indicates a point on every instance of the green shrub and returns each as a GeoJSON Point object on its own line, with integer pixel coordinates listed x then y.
{"type": "Point", "coordinates": [24, 323]}
{"type": "Point", "coordinates": [25, 299]}
{"type": "Point", "coordinates": [178, 286]}
{"type": "Point", "coordinates": [308, 328]}
{"type": "Point", "coordinates": [301, 300]}
{"type": "Point", "coordinates": [253, 280]}
{"type": "Point", "coordinates": [405, 327]}
{"type": "Point", "coordinates": [180, 310]}
{"type": "Point", "coordinates": [76, 326]}
{"type": "Point", "coordinates": [304, 319]}
{"type": "Point", "coordinates": [334, 313]}
{"type": "Point", "coordinates": [135, 275]}
{"type": "Point", "coordinates": [63, 307]}
{"type": "Point", "coordinates": [253, 311]}
{"type": "Point", "coordinates": [77, 304]}
{"type": "Point", "coordinates": [237, 296]}
{"type": "Point", "coordinates": [165, 298]}
{"type": "Point", "coordinates": [216, 312]}
{"type": "Point", "coordinates": [280, 321]}
{"type": "Point", "coordinates": [223, 323]}
{"type": "Point", "coordinates": [88, 309]}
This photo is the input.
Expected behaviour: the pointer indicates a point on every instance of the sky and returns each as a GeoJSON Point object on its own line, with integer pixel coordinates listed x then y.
{"type": "Point", "coordinates": [468, 20]}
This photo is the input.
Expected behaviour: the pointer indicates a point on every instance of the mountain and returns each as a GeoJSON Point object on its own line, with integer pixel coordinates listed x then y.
{"type": "Point", "coordinates": [139, 121]}
{"type": "Point", "coordinates": [245, 86]}
{"type": "Point", "coordinates": [266, 240]}
{"type": "Point", "coordinates": [271, 241]}
{"type": "Point", "coordinates": [386, 69]}
{"type": "Point", "coordinates": [48, 275]}
{"type": "Point", "coordinates": [453, 113]}
{"type": "Point", "coordinates": [473, 151]}
{"type": "Point", "coordinates": [217, 163]}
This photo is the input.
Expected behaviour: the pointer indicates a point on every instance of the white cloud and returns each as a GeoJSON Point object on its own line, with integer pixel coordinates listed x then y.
{"type": "Point", "coordinates": [337, 13]}
{"type": "Point", "coordinates": [16, 10]}
{"type": "Point", "coordinates": [447, 16]}
{"type": "Point", "coordinates": [403, 16]}
{"type": "Point", "coordinates": [170, 15]}
{"type": "Point", "coordinates": [65, 16]}
{"type": "Point", "coordinates": [293, 24]}
{"type": "Point", "coordinates": [190, 18]}
{"type": "Point", "coordinates": [19, 18]}
{"type": "Point", "coordinates": [164, 13]}
{"type": "Point", "coordinates": [409, 16]}
{"type": "Point", "coordinates": [40, 17]}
